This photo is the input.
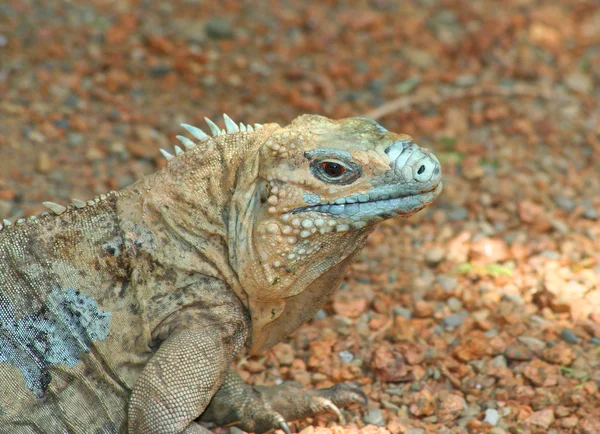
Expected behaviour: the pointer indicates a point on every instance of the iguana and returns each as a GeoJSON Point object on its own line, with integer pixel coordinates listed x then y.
{"type": "Point", "coordinates": [124, 313]}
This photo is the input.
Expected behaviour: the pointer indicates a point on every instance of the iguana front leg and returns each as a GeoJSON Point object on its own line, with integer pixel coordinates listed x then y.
{"type": "Point", "coordinates": [262, 408]}
{"type": "Point", "coordinates": [187, 370]}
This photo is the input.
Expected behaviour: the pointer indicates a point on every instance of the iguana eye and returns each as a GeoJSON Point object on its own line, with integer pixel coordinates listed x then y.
{"type": "Point", "coordinates": [333, 169]}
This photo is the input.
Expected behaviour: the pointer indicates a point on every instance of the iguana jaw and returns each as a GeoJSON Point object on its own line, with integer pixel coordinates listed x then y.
{"type": "Point", "coordinates": [373, 206]}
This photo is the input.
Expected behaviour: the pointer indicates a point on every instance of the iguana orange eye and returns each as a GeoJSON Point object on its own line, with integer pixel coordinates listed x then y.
{"type": "Point", "coordinates": [335, 170]}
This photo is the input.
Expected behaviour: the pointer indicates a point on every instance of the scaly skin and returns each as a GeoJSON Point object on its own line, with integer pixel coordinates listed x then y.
{"type": "Point", "coordinates": [125, 313]}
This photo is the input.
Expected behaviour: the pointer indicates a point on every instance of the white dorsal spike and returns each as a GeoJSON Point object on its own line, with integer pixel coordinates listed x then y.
{"type": "Point", "coordinates": [78, 203]}
{"type": "Point", "coordinates": [187, 143]}
{"type": "Point", "coordinates": [214, 129]}
{"type": "Point", "coordinates": [178, 151]}
{"type": "Point", "coordinates": [257, 126]}
{"type": "Point", "coordinates": [196, 132]}
{"type": "Point", "coordinates": [232, 127]}
{"type": "Point", "coordinates": [54, 207]}
{"type": "Point", "coordinates": [242, 127]}
{"type": "Point", "coordinates": [7, 223]}
{"type": "Point", "coordinates": [166, 154]}
{"type": "Point", "coordinates": [249, 128]}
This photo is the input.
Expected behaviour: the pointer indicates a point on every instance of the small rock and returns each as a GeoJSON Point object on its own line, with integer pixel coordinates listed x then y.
{"type": "Point", "coordinates": [453, 404]}
{"type": "Point", "coordinates": [465, 80]}
{"type": "Point", "coordinates": [532, 343]}
{"type": "Point", "coordinates": [471, 348]}
{"type": "Point", "coordinates": [43, 163]}
{"type": "Point", "coordinates": [500, 361]}
{"type": "Point", "coordinates": [569, 336]}
{"type": "Point", "coordinates": [389, 365]}
{"type": "Point", "coordinates": [219, 28]}
{"type": "Point", "coordinates": [492, 416]}
{"type": "Point", "coordinates": [518, 351]}
{"type": "Point", "coordinates": [321, 314]}
{"type": "Point", "coordinates": [589, 212]}
{"type": "Point", "coordinates": [560, 354]}
{"type": "Point", "coordinates": [565, 203]}
{"type": "Point", "coordinates": [533, 214]}
{"type": "Point", "coordinates": [434, 256]}
{"type": "Point", "coordinates": [415, 431]}
{"type": "Point", "coordinates": [543, 418]}
{"type": "Point", "coordinates": [453, 321]}
{"type": "Point", "coordinates": [75, 139]}
{"type": "Point", "coordinates": [346, 356]}
{"type": "Point", "coordinates": [579, 82]}
{"type": "Point", "coordinates": [422, 404]}
{"type": "Point", "coordinates": [457, 214]}
{"type": "Point", "coordinates": [541, 373]}
{"type": "Point", "coordinates": [448, 283]}
{"type": "Point", "coordinates": [374, 417]}
{"type": "Point", "coordinates": [423, 309]}
{"type": "Point", "coordinates": [471, 410]}
{"type": "Point", "coordinates": [350, 308]}
{"type": "Point", "coordinates": [402, 312]}
{"type": "Point", "coordinates": [454, 304]}
{"type": "Point", "coordinates": [284, 354]}
{"type": "Point", "coordinates": [497, 430]}
{"type": "Point", "coordinates": [569, 422]}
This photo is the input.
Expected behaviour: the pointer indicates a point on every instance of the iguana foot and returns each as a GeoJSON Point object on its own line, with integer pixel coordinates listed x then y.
{"type": "Point", "coordinates": [261, 408]}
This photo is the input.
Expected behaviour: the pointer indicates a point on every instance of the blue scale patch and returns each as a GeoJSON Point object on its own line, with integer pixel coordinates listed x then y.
{"type": "Point", "coordinates": [56, 334]}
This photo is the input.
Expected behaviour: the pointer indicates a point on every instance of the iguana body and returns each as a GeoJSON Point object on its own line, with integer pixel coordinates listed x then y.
{"type": "Point", "coordinates": [125, 313]}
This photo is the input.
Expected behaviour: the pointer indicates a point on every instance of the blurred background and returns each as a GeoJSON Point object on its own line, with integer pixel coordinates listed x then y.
{"type": "Point", "coordinates": [480, 314]}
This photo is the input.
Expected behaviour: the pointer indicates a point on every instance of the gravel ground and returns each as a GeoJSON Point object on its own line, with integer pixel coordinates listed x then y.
{"type": "Point", "coordinates": [479, 315]}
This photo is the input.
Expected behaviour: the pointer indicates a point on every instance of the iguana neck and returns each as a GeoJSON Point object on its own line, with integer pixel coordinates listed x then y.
{"type": "Point", "coordinates": [183, 213]}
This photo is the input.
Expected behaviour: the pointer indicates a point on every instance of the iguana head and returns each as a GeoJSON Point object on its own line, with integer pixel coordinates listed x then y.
{"type": "Point", "coordinates": [321, 186]}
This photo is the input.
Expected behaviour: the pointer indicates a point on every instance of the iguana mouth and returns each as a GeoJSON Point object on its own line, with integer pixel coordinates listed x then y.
{"type": "Point", "coordinates": [385, 202]}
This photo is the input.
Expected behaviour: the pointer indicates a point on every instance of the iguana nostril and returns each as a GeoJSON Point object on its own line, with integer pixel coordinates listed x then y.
{"type": "Point", "coordinates": [421, 169]}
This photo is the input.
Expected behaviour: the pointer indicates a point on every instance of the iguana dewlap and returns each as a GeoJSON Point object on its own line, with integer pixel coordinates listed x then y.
{"type": "Point", "coordinates": [125, 312]}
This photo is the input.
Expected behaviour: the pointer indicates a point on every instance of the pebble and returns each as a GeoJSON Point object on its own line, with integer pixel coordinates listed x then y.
{"type": "Point", "coordinates": [491, 416]}
{"type": "Point", "coordinates": [434, 256]}
{"type": "Point", "coordinates": [453, 321]}
{"type": "Point", "coordinates": [569, 336]}
{"type": "Point", "coordinates": [219, 28]}
{"type": "Point", "coordinates": [448, 283]}
{"type": "Point", "coordinates": [375, 417]}
{"type": "Point", "coordinates": [454, 304]}
{"type": "Point", "coordinates": [321, 314]}
{"type": "Point", "coordinates": [543, 418]}
{"type": "Point", "coordinates": [415, 431]}
{"type": "Point", "coordinates": [589, 212]}
{"type": "Point", "coordinates": [457, 214]}
{"type": "Point", "coordinates": [75, 139]}
{"type": "Point", "coordinates": [346, 356]}
{"type": "Point", "coordinates": [500, 361]}
{"type": "Point", "coordinates": [579, 82]}
{"type": "Point", "coordinates": [497, 430]}
{"type": "Point", "coordinates": [402, 312]}
{"type": "Point", "coordinates": [532, 343]}
{"type": "Point", "coordinates": [565, 203]}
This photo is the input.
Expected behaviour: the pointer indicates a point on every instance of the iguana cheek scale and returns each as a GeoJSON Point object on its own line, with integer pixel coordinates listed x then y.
{"type": "Point", "coordinates": [125, 312]}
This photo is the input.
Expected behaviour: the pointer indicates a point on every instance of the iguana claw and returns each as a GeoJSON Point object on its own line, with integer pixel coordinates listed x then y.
{"type": "Point", "coordinates": [284, 427]}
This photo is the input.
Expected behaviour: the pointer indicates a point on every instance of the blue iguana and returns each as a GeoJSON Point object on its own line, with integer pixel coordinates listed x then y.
{"type": "Point", "coordinates": [124, 313]}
